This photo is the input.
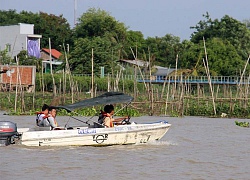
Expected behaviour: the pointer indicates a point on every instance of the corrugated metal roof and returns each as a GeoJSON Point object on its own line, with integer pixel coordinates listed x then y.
{"type": "Point", "coordinates": [135, 62]}
{"type": "Point", "coordinates": [162, 71]}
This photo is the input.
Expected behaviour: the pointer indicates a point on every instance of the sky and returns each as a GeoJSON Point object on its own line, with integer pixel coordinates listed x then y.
{"type": "Point", "coordinates": [151, 17]}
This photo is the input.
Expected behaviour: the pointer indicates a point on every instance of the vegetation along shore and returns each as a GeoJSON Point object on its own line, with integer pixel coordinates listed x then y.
{"type": "Point", "coordinates": [170, 99]}
{"type": "Point", "coordinates": [207, 75]}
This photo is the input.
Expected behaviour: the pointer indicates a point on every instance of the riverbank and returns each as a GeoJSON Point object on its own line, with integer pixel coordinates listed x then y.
{"type": "Point", "coordinates": [29, 103]}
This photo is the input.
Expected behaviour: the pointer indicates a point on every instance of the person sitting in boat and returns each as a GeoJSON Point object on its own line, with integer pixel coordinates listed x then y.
{"type": "Point", "coordinates": [41, 115]}
{"type": "Point", "coordinates": [50, 120]}
{"type": "Point", "coordinates": [106, 117]}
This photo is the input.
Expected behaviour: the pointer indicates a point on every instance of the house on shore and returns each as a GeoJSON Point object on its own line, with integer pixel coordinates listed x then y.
{"type": "Point", "coordinates": [15, 38]}
{"type": "Point", "coordinates": [55, 56]}
{"type": "Point", "coordinates": [157, 72]}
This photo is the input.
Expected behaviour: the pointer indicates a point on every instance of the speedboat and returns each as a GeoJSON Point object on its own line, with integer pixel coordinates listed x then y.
{"type": "Point", "coordinates": [89, 135]}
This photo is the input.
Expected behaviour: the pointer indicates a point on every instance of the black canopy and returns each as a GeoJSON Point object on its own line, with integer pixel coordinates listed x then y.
{"type": "Point", "coordinates": [106, 98]}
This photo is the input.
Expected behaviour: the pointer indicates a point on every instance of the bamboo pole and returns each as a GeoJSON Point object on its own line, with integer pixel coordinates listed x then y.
{"type": "Point", "coordinates": [180, 108]}
{"type": "Point", "coordinates": [123, 84]}
{"type": "Point", "coordinates": [51, 70]}
{"type": "Point", "coordinates": [92, 74]}
{"type": "Point", "coordinates": [208, 74]}
{"type": "Point", "coordinates": [42, 83]}
{"type": "Point", "coordinates": [135, 83]}
{"type": "Point", "coordinates": [166, 102]}
{"type": "Point", "coordinates": [21, 91]}
{"type": "Point", "coordinates": [64, 87]}
{"type": "Point", "coordinates": [17, 80]}
{"type": "Point", "coordinates": [175, 75]}
{"type": "Point", "coordinates": [164, 84]}
{"type": "Point", "coordinates": [139, 68]}
{"type": "Point", "coordinates": [108, 83]}
{"type": "Point", "coordinates": [243, 73]}
{"type": "Point", "coordinates": [150, 85]}
{"type": "Point", "coordinates": [71, 82]}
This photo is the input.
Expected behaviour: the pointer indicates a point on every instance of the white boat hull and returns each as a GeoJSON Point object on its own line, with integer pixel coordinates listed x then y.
{"type": "Point", "coordinates": [84, 136]}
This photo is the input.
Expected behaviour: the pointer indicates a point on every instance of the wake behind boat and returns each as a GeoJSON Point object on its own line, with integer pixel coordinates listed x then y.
{"type": "Point", "coordinates": [127, 133]}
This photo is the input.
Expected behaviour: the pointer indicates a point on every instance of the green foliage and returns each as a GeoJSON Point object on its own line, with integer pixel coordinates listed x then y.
{"type": "Point", "coordinates": [9, 17]}
{"type": "Point", "coordinates": [228, 29]}
{"type": "Point", "coordinates": [199, 109]}
{"type": "Point", "coordinates": [84, 83]}
{"type": "Point", "coordinates": [99, 31]}
{"type": "Point", "coordinates": [4, 57]}
{"type": "Point", "coordinates": [163, 50]}
{"type": "Point", "coordinates": [80, 61]}
{"type": "Point", "coordinates": [24, 59]}
{"type": "Point", "coordinates": [223, 58]}
{"type": "Point", "coordinates": [48, 25]}
{"type": "Point", "coordinates": [136, 42]}
{"type": "Point", "coordinates": [242, 124]}
{"type": "Point", "coordinates": [54, 27]}
{"type": "Point", "coordinates": [98, 23]}
{"type": "Point", "coordinates": [227, 42]}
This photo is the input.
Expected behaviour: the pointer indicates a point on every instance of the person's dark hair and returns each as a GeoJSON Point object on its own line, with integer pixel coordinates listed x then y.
{"type": "Point", "coordinates": [109, 108]}
{"type": "Point", "coordinates": [45, 106]}
{"type": "Point", "coordinates": [51, 107]}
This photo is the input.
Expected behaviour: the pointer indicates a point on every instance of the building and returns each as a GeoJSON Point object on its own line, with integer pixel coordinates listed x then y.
{"type": "Point", "coordinates": [55, 55]}
{"type": "Point", "coordinates": [158, 72]}
{"type": "Point", "coordinates": [16, 38]}
{"type": "Point", "coordinates": [12, 76]}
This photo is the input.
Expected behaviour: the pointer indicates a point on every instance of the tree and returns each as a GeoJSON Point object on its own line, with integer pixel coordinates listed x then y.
{"type": "Point", "coordinates": [228, 29]}
{"type": "Point", "coordinates": [136, 41]}
{"type": "Point", "coordinates": [223, 58]}
{"type": "Point", "coordinates": [9, 17]}
{"type": "Point", "coordinates": [163, 49]}
{"type": "Point", "coordinates": [96, 22]}
{"type": "Point", "coordinates": [98, 30]}
{"type": "Point", "coordinates": [48, 25]}
{"type": "Point", "coordinates": [54, 27]}
{"type": "Point", "coordinates": [4, 57]}
{"type": "Point", "coordinates": [80, 61]}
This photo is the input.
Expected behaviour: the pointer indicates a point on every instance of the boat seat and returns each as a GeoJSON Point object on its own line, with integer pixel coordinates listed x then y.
{"type": "Point", "coordinates": [91, 126]}
{"type": "Point", "coordinates": [97, 125]}
{"type": "Point", "coordinates": [38, 128]}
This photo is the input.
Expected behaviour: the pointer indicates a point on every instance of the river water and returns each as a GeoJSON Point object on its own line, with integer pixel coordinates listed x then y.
{"type": "Point", "coordinates": [193, 148]}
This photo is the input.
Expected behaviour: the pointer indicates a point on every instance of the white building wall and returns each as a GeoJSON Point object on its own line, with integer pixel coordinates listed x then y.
{"type": "Point", "coordinates": [16, 37]}
{"type": "Point", "coordinates": [26, 28]}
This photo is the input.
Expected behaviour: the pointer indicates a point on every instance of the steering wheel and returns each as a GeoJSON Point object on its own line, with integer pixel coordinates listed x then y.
{"type": "Point", "coordinates": [126, 121]}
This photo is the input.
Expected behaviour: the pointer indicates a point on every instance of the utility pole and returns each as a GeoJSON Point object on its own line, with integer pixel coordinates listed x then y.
{"type": "Point", "coordinates": [75, 12]}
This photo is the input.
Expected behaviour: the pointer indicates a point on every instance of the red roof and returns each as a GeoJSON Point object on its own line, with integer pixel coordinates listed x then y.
{"type": "Point", "coordinates": [56, 54]}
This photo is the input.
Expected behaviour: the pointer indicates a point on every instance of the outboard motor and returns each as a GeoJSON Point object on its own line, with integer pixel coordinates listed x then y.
{"type": "Point", "coordinates": [8, 130]}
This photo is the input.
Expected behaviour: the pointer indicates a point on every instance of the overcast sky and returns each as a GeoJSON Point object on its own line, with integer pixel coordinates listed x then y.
{"type": "Point", "coordinates": [151, 17]}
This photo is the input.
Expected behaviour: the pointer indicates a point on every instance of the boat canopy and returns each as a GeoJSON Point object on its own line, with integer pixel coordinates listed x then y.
{"type": "Point", "coordinates": [106, 98]}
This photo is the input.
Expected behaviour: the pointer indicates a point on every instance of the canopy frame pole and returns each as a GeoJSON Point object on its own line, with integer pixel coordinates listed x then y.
{"type": "Point", "coordinates": [122, 108]}
{"type": "Point", "coordinates": [89, 119]}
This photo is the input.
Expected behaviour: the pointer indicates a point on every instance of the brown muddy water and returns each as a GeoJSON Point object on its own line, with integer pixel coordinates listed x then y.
{"type": "Point", "coordinates": [193, 148]}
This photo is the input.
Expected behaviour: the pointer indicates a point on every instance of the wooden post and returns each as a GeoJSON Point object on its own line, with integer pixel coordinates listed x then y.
{"type": "Point", "coordinates": [42, 83]}
{"type": "Point", "coordinates": [51, 70]}
{"type": "Point", "coordinates": [92, 75]}
{"type": "Point", "coordinates": [17, 69]}
{"type": "Point", "coordinates": [135, 83]}
{"type": "Point", "coordinates": [150, 87]}
{"type": "Point", "coordinates": [208, 74]}
{"type": "Point", "coordinates": [243, 73]}
{"type": "Point", "coordinates": [68, 72]}
{"type": "Point", "coordinates": [175, 75]}
{"type": "Point", "coordinates": [139, 68]}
